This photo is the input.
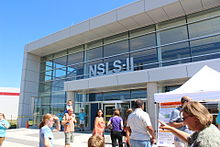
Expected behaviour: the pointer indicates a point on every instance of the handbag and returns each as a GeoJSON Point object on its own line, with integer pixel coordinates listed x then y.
{"type": "Point", "coordinates": [110, 126]}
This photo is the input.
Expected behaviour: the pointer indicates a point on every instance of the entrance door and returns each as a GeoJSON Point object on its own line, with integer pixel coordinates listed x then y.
{"type": "Point", "coordinates": [111, 106]}
{"type": "Point", "coordinates": [123, 108]}
{"type": "Point", "coordinates": [108, 111]}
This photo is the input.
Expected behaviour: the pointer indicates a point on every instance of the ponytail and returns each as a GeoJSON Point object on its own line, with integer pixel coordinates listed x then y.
{"type": "Point", "coordinates": [45, 117]}
{"type": "Point", "coordinates": [41, 124]}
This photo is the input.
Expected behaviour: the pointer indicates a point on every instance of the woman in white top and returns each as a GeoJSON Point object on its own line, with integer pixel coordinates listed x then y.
{"type": "Point", "coordinates": [46, 135]}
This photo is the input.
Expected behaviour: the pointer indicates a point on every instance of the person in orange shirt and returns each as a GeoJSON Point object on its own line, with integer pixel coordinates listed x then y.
{"type": "Point", "coordinates": [99, 125]}
{"type": "Point", "coordinates": [68, 122]}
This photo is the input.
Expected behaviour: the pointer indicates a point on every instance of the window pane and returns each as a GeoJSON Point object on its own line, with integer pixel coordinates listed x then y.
{"type": "Point", "coordinates": [203, 28]}
{"type": "Point", "coordinates": [81, 97]}
{"type": "Point", "coordinates": [93, 44]}
{"type": "Point", "coordinates": [76, 49]}
{"type": "Point", "coordinates": [143, 42]}
{"type": "Point", "coordinates": [172, 22]}
{"type": "Point", "coordinates": [119, 95]}
{"type": "Point", "coordinates": [60, 54]}
{"type": "Point", "coordinates": [75, 58]}
{"type": "Point", "coordinates": [205, 49]}
{"type": "Point", "coordinates": [46, 76]}
{"type": "Point", "coordinates": [173, 35]}
{"type": "Point", "coordinates": [94, 53]}
{"type": "Point", "coordinates": [135, 94]}
{"type": "Point", "coordinates": [58, 85]}
{"type": "Point", "coordinates": [95, 97]}
{"type": "Point", "coordinates": [116, 48]}
{"type": "Point", "coordinates": [142, 31]}
{"type": "Point", "coordinates": [144, 59]}
{"type": "Point", "coordinates": [173, 54]}
{"type": "Point", "coordinates": [116, 38]}
{"type": "Point", "coordinates": [75, 71]}
{"type": "Point", "coordinates": [45, 87]}
{"type": "Point", "coordinates": [60, 62]}
{"type": "Point", "coordinates": [45, 100]}
{"type": "Point", "coordinates": [58, 97]}
{"type": "Point", "coordinates": [59, 73]}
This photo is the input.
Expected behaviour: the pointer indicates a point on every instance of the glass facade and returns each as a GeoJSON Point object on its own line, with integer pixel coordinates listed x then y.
{"type": "Point", "coordinates": [186, 39]}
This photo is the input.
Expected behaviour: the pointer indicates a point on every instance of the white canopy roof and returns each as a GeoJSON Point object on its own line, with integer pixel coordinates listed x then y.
{"type": "Point", "coordinates": [202, 86]}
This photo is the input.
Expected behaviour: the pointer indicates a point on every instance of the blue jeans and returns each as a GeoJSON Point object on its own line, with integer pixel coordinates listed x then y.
{"type": "Point", "coordinates": [140, 143]}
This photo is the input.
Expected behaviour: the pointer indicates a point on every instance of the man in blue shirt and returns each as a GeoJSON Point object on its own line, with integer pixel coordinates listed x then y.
{"type": "Point", "coordinates": [176, 121]}
{"type": "Point", "coordinates": [82, 116]}
{"type": "Point", "coordinates": [60, 116]}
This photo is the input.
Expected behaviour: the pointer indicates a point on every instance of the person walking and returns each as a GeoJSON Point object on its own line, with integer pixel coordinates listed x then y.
{"type": "Point", "coordinates": [68, 121]}
{"type": "Point", "coordinates": [117, 127]}
{"type": "Point", "coordinates": [4, 124]}
{"type": "Point", "coordinates": [177, 122]}
{"type": "Point", "coordinates": [128, 112]}
{"type": "Point", "coordinates": [60, 116]}
{"type": "Point", "coordinates": [99, 125]}
{"type": "Point", "coordinates": [45, 126]}
{"type": "Point", "coordinates": [199, 120]}
{"type": "Point", "coordinates": [82, 116]}
{"type": "Point", "coordinates": [140, 132]}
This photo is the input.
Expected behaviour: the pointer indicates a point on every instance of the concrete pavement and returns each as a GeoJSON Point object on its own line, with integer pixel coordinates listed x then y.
{"type": "Point", "coordinates": [30, 138]}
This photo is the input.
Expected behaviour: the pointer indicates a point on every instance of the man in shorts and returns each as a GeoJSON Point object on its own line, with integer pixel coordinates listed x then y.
{"type": "Point", "coordinates": [68, 122]}
{"type": "Point", "coordinates": [82, 116]}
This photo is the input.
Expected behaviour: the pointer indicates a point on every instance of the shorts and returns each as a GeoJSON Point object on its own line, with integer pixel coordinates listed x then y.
{"type": "Point", "coordinates": [140, 143]}
{"type": "Point", "coordinates": [68, 138]}
{"type": "Point", "coordinates": [82, 122]}
{"type": "Point", "coordinates": [1, 140]}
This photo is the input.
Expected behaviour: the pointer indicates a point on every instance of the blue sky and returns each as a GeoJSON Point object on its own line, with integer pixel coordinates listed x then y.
{"type": "Point", "coordinates": [23, 21]}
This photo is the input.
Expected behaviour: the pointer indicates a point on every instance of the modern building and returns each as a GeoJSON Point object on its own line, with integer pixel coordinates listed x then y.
{"type": "Point", "coordinates": [9, 101]}
{"type": "Point", "coordinates": [112, 59]}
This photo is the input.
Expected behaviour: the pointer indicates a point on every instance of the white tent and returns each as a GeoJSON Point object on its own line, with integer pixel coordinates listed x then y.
{"type": "Point", "coordinates": [202, 86]}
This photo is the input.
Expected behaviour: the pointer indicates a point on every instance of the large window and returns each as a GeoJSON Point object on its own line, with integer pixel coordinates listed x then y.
{"type": "Point", "coordinates": [173, 35]}
{"type": "Point", "coordinates": [175, 54]}
{"type": "Point", "coordinates": [143, 42]}
{"type": "Point", "coordinates": [116, 48]}
{"type": "Point", "coordinates": [118, 95]}
{"type": "Point", "coordinates": [207, 48]}
{"type": "Point", "coordinates": [145, 59]}
{"type": "Point", "coordinates": [95, 53]}
{"type": "Point", "coordinates": [204, 28]}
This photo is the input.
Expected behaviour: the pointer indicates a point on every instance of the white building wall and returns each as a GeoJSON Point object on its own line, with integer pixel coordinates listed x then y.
{"type": "Point", "coordinates": [29, 87]}
{"type": "Point", "coordinates": [9, 103]}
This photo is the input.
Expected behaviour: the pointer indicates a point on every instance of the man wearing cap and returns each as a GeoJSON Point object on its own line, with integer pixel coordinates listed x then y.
{"type": "Point", "coordinates": [176, 121]}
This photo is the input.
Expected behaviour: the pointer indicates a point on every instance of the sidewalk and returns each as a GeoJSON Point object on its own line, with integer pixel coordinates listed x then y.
{"type": "Point", "coordinates": [30, 138]}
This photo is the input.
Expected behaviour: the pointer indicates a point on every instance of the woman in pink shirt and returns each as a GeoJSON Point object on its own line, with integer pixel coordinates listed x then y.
{"type": "Point", "coordinates": [99, 126]}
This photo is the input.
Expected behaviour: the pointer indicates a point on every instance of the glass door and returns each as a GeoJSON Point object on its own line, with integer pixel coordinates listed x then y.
{"type": "Point", "coordinates": [123, 108]}
{"type": "Point", "coordinates": [108, 111]}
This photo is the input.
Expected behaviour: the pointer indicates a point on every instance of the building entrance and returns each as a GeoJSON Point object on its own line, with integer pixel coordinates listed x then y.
{"type": "Point", "coordinates": [110, 106]}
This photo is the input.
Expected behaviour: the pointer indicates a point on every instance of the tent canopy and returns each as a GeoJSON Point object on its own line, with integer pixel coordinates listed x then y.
{"type": "Point", "coordinates": [202, 86]}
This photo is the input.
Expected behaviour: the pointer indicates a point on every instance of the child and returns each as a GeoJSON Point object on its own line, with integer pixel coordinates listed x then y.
{"type": "Point", "coordinates": [68, 106]}
{"type": "Point", "coordinates": [96, 141]}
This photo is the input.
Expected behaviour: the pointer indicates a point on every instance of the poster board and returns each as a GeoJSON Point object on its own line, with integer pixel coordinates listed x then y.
{"type": "Point", "coordinates": [165, 137]}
